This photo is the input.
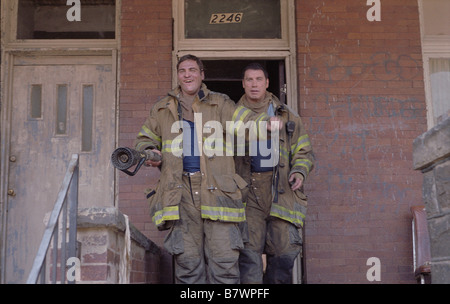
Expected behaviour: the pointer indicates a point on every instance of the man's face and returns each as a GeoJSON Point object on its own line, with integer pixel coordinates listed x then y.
{"type": "Point", "coordinates": [255, 84]}
{"type": "Point", "coordinates": [190, 77]}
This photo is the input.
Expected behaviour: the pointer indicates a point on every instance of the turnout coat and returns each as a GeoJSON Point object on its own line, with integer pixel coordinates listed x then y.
{"type": "Point", "coordinates": [295, 155]}
{"type": "Point", "coordinates": [221, 198]}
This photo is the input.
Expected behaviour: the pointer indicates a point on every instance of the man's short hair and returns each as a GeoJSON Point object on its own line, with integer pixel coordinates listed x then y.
{"type": "Point", "coordinates": [191, 57]}
{"type": "Point", "coordinates": [255, 66]}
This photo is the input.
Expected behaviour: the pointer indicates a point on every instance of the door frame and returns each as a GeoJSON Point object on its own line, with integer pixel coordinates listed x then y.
{"type": "Point", "coordinates": [39, 57]}
{"type": "Point", "coordinates": [290, 62]}
{"type": "Point", "coordinates": [232, 49]}
{"type": "Point", "coordinates": [245, 49]}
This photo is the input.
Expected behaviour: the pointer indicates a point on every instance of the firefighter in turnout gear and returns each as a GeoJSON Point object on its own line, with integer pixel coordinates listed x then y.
{"type": "Point", "coordinates": [275, 214]}
{"type": "Point", "coordinates": [198, 197]}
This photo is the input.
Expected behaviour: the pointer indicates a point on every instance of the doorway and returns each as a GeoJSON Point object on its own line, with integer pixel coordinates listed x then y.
{"type": "Point", "coordinates": [59, 106]}
{"type": "Point", "coordinates": [225, 76]}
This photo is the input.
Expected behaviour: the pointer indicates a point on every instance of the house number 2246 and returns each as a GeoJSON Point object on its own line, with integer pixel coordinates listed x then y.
{"type": "Point", "coordinates": [226, 18]}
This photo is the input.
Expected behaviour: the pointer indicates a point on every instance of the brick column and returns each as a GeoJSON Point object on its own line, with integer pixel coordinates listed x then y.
{"type": "Point", "coordinates": [432, 156]}
{"type": "Point", "coordinates": [102, 234]}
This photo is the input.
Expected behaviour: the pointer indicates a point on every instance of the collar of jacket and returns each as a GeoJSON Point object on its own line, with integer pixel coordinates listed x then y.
{"type": "Point", "coordinates": [174, 95]}
{"type": "Point", "coordinates": [273, 99]}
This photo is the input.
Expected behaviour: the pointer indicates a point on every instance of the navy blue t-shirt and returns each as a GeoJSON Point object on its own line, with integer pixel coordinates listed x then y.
{"type": "Point", "coordinates": [267, 146]}
{"type": "Point", "coordinates": [191, 155]}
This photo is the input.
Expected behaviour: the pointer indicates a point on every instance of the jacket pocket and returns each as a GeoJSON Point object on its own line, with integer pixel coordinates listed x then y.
{"type": "Point", "coordinates": [240, 182]}
{"type": "Point", "coordinates": [301, 198]}
{"type": "Point", "coordinates": [295, 236]}
{"type": "Point", "coordinates": [229, 194]}
{"type": "Point", "coordinates": [228, 205]}
{"type": "Point", "coordinates": [226, 183]}
{"type": "Point", "coordinates": [149, 193]}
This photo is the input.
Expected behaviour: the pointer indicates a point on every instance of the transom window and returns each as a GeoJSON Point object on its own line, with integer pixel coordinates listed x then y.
{"type": "Point", "coordinates": [235, 19]}
{"type": "Point", "coordinates": [232, 31]}
{"type": "Point", "coordinates": [54, 19]}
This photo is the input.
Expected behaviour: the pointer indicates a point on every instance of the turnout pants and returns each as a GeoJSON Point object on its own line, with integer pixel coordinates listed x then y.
{"type": "Point", "coordinates": [279, 239]}
{"type": "Point", "coordinates": [204, 251]}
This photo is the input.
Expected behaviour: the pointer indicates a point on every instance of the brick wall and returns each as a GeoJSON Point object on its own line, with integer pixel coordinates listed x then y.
{"type": "Point", "coordinates": [362, 100]}
{"type": "Point", "coordinates": [146, 64]}
{"type": "Point", "coordinates": [361, 97]}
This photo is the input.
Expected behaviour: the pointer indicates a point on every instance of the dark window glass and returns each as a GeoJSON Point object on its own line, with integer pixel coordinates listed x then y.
{"type": "Point", "coordinates": [233, 19]}
{"type": "Point", "coordinates": [53, 19]}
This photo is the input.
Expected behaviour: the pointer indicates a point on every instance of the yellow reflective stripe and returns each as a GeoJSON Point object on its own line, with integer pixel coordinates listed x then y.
{"type": "Point", "coordinates": [261, 134]}
{"type": "Point", "coordinates": [146, 132]}
{"type": "Point", "coordinates": [143, 145]}
{"type": "Point", "coordinates": [284, 153]}
{"type": "Point", "coordinates": [166, 214]}
{"type": "Point", "coordinates": [223, 214]}
{"type": "Point", "coordinates": [262, 116]}
{"type": "Point", "coordinates": [240, 113]}
{"type": "Point", "coordinates": [172, 145]}
{"type": "Point", "coordinates": [295, 217]}
{"type": "Point", "coordinates": [303, 163]}
{"type": "Point", "coordinates": [302, 141]}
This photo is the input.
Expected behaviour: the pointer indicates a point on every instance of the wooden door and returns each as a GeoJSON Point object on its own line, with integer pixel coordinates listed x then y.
{"type": "Point", "coordinates": [57, 109]}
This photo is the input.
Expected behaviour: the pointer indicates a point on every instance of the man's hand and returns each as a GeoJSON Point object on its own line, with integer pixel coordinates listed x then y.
{"type": "Point", "coordinates": [153, 163]}
{"type": "Point", "coordinates": [274, 124]}
{"type": "Point", "coordinates": [296, 181]}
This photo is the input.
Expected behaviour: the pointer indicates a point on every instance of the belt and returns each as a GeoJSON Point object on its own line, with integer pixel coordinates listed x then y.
{"type": "Point", "coordinates": [190, 173]}
{"type": "Point", "coordinates": [262, 172]}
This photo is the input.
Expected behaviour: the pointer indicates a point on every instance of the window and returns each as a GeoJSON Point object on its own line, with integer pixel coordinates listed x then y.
{"type": "Point", "coordinates": [87, 118]}
{"type": "Point", "coordinates": [61, 110]}
{"type": "Point", "coordinates": [36, 101]}
{"type": "Point", "coordinates": [47, 19]}
{"type": "Point", "coordinates": [435, 29]}
{"type": "Point", "coordinates": [238, 19]}
{"type": "Point", "coordinates": [238, 31]}
{"type": "Point", "coordinates": [243, 24]}
{"type": "Point", "coordinates": [440, 87]}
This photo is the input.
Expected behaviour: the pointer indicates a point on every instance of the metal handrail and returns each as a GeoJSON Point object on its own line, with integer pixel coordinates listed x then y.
{"type": "Point", "coordinates": [67, 198]}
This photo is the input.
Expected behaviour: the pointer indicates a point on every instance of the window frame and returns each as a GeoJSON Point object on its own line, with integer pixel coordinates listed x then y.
{"type": "Point", "coordinates": [10, 16]}
{"type": "Point", "coordinates": [224, 44]}
{"type": "Point", "coordinates": [230, 49]}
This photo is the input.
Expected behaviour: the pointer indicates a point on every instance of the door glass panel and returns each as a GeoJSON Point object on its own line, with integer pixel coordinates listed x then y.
{"type": "Point", "coordinates": [53, 19]}
{"type": "Point", "coordinates": [234, 19]}
{"type": "Point", "coordinates": [36, 101]}
{"type": "Point", "coordinates": [86, 125]}
{"type": "Point", "coordinates": [61, 110]}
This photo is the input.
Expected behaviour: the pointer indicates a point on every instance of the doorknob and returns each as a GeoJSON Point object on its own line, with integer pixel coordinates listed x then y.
{"type": "Point", "coordinates": [11, 192]}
